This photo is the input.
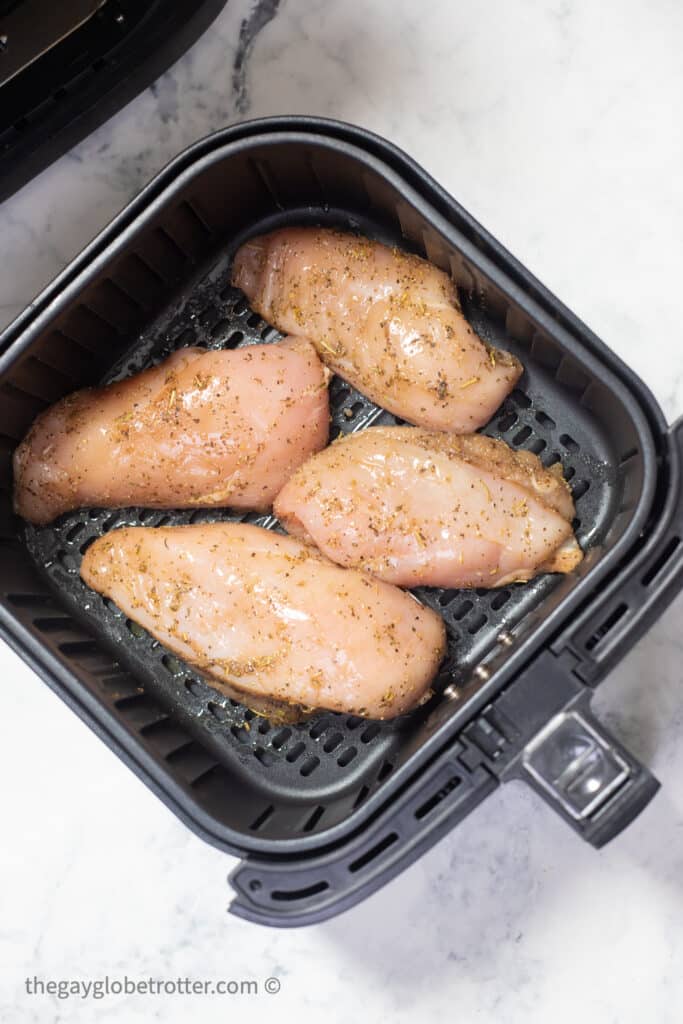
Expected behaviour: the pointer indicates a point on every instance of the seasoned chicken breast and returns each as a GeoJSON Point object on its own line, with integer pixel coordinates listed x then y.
{"type": "Point", "coordinates": [200, 429]}
{"type": "Point", "coordinates": [269, 617]}
{"type": "Point", "coordinates": [415, 507]}
{"type": "Point", "coordinates": [388, 322]}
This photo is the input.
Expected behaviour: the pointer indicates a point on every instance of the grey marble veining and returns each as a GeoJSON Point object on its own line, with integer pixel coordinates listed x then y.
{"type": "Point", "coordinates": [556, 124]}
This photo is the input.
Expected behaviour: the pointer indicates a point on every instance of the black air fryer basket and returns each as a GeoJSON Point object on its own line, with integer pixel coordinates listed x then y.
{"type": "Point", "coordinates": [325, 811]}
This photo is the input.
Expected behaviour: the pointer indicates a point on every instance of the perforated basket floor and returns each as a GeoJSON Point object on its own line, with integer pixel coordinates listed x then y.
{"type": "Point", "coordinates": [305, 762]}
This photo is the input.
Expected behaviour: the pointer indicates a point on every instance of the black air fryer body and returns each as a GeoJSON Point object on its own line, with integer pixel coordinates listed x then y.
{"type": "Point", "coordinates": [325, 811]}
{"type": "Point", "coordinates": [68, 65]}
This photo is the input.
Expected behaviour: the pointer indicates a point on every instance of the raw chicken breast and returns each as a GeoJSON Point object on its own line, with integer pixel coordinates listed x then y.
{"type": "Point", "coordinates": [202, 428]}
{"type": "Point", "coordinates": [270, 617]}
{"type": "Point", "coordinates": [388, 322]}
{"type": "Point", "coordinates": [415, 507]}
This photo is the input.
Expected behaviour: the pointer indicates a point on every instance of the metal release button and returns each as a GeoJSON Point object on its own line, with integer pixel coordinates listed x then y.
{"type": "Point", "coordinates": [575, 764]}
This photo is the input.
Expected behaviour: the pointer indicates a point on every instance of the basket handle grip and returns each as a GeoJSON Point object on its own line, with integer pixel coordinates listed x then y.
{"type": "Point", "coordinates": [585, 774]}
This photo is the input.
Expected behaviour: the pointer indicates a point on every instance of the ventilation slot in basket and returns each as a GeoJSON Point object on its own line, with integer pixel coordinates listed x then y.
{"type": "Point", "coordinates": [262, 818]}
{"type": "Point", "coordinates": [615, 616]}
{"type": "Point", "coordinates": [659, 564]}
{"type": "Point", "coordinates": [373, 852]}
{"type": "Point", "coordinates": [290, 895]}
{"type": "Point", "coordinates": [424, 809]}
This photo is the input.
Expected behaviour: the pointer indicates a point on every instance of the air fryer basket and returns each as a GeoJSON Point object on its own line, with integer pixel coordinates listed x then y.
{"type": "Point", "coordinates": [157, 279]}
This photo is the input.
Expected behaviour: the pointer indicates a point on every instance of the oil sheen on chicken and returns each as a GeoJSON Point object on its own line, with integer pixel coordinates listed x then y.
{"type": "Point", "coordinates": [270, 617]}
{"type": "Point", "coordinates": [388, 322]}
{"type": "Point", "coordinates": [416, 507]}
{"type": "Point", "coordinates": [200, 429]}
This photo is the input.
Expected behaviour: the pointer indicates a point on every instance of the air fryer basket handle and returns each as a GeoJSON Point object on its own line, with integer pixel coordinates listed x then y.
{"type": "Point", "coordinates": [586, 775]}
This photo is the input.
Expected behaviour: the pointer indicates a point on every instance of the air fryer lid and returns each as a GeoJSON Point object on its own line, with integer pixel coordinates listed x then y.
{"type": "Point", "coordinates": [66, 67]}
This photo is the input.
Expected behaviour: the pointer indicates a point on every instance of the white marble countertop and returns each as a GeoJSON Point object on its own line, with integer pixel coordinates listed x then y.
{"type": "Point", "coordinates": [557, 124]}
